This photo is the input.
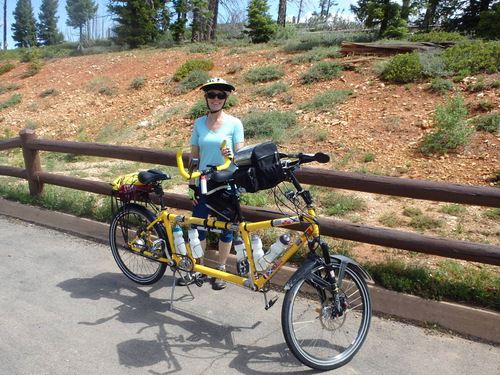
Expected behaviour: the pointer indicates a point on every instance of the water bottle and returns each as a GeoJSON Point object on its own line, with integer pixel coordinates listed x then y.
{"type": "Point", "coordinates": [277, 247]}
{"type": "Point", "coordinates": [194, 243]}
{"type": "Point", "coordinates": [258, 253]}
{"type": "Point", "coordinates": [241, 257]}
{"type": "Point", "coordinates": [179, 244]}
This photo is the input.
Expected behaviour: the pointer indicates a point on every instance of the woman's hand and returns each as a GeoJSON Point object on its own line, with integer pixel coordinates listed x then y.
{"type": "Point", "coordinates": [194, 194]}
{"type": "Point", "coordinates": [227, 152]}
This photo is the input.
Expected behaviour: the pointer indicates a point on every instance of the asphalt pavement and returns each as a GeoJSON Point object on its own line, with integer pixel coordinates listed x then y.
{"type": "Point", "coordinates": [65, 308]}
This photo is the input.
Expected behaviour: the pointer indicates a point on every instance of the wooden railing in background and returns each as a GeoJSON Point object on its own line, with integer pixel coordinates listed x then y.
{"type": "Point", "coordinates": [435, 191]}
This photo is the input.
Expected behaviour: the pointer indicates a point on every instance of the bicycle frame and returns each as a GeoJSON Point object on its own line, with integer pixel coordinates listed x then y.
{"type": "Point", "coordinates": [326, 311]}
{"type": "Point", "coordinates": [256, 280]}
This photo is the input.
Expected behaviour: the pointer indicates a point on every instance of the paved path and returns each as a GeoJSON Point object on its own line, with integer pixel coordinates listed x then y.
{"type": "Point", "coordinates": [65, 308]}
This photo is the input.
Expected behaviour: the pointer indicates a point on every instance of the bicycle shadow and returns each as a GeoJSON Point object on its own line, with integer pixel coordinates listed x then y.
{"type": "Point", "coordinates": [197, 337]}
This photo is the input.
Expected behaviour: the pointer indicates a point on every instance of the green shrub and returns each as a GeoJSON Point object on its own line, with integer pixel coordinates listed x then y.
{"type": "Point", "coordinates": [6, 68]}
{"type": "Point", "coordinates": [437, 36]}
{"type": "Point", "coordinates": [322, 71]}
{"type": "Point", "coordinates": [190, 65]}
{"type": "Point", "coordinates": [403, 68]}
{"type": "Point", "coordinates": [11, 87]}
{"type": "Point", "coordinates": [396, 32]}
{"type": "Point", "coordinates": [102, 85]}
{"type": "Point", "coordinates": [201, 48]}
{"type": "Point", "coordinates": [29, 55]}
{"type": "Point", "coordinates": [137, 83]}
{"type": "Point", "coordinates": [448, 280]}
{"type": "Point", "coordinates": [474, 57]}
{"type": "Point", "coordinates": [12, 101]}
{"type": "Point", "coordinates": [326, 101]}
{"type": "Point", "coordinates": [268, 125]}
{"type": "Point", "coordinates": [335, 203]}
{"type": "Point", "coordinates": [433, 64]}
{"type": "Point", "coordinates": [264, 74]}
{"type": "Point", "coordinates": [315, 54]}
{"type": "Point", "coordinates": [452, 129]}
{"type": "Point", "coordinates": [420, 221]}
{"type": "Point", "coordinates": [489, 123]}
{"type": "Point", "coordinates": [440, 86]}
{"type": "Point", "coordinates": [49, 92]}
{"type": "Point", "coordinates": [369, 157]}
{"type": "Point", "coordinates": [453, 210]}
{"type": "Point", "coordinates": [272, 89]}
{"type": "Point", "coordinates": [193, 80]}
{"type": "Point", "coordinates": [34, 67]}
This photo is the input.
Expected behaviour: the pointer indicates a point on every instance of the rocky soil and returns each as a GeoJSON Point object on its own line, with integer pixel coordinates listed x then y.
{"type": "Point", "coordinates": [63, 102]}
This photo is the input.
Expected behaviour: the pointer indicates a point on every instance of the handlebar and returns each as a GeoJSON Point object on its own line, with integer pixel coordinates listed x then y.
{"type": "Point", "coordinates": [196, 174]}
{"type": "Point", "coordinates": [302, 158]}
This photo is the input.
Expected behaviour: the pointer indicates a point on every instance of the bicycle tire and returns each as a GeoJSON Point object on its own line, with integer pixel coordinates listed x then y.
{"type": "Point", "coordinates": [128, 221]}
{"type": "Point", "coordinates": [316, 337]}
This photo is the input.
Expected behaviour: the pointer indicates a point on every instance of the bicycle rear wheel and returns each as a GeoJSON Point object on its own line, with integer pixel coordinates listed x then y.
{"type": "Point", "coordinates": [314, 333]}
{"type": "Point", "coordinates": [130, 221]}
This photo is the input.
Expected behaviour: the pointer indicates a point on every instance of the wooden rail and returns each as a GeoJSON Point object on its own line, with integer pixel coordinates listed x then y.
{"type": "Point", "coordinates": [436, 191]}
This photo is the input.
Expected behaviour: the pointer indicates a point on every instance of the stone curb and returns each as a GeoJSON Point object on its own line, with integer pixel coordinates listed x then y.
{"type": "Point", "coordinates": [484, 324]}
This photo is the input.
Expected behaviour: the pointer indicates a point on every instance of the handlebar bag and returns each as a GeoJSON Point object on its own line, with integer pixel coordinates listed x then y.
{"type": "Point", "coordinates": [259, 167]}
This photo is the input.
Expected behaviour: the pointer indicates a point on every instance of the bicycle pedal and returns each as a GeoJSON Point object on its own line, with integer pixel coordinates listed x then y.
{"type": "Point", "coordinates": [199, 281]}
{"type": "Point", "coordinates": [272, 302]}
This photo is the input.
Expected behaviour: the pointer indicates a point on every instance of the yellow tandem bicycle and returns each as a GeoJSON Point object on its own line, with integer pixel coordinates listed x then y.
{"type": "Point", "coordinates": [326, 310]}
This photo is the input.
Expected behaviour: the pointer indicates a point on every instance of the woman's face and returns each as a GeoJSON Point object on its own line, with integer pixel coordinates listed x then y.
{"type": "Point", "coordinates": [215, 99]}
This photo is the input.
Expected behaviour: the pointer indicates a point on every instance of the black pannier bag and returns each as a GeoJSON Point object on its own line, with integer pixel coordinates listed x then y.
{"type": "Point", "coordinates": [222, 201]}
{"type": "Point", "coordinates": [259, 167]}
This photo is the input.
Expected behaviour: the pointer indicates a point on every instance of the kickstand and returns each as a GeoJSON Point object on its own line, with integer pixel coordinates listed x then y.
{"type": "Point", "coordinates": [174, 284]}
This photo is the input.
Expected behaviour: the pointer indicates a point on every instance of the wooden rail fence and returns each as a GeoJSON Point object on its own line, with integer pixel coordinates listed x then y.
{"type": "Point", "coordinates": [435, 191]}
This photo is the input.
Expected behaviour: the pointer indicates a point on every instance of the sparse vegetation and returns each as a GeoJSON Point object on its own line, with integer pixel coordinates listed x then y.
{"type": "Point", "coordinates": [489, 123]}
{"type": "Point", "coordinates": [137, 83]}
{"type": "Point", "coordinates": [190, 65]}
{"type": "Point", "coordinates": [4, 68]}
{"type": "Point", "coordinates": [12, 101]}
{"type": "Point", "coordinates": [322, 71]}
{"type": "Point", "coordinates": [102, 85]}
{"type": "Point", "coordinates": [264, 74]}
{"type": "Point", "coordinates": [451, 127]}
{"type": "Point", "coordinates": [268, 125]}
{"type": "Point", "coordinates": [440, 86]}
{"type": "Point", "coordinates": [326, 101]}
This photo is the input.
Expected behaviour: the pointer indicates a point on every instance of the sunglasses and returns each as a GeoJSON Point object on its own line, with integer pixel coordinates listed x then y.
{"type": "Point", "coordinates": [218, 95]}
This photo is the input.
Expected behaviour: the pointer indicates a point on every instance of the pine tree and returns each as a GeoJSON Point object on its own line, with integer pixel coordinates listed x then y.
{"type": "Point", "coordinates": [48, 34]}
{"type": "Point", "coordinates": [261, 26]}
{"type": "Point", "coordinates": [79, 13]}
{"type": "Point", "coordinates": [178, 28]}
{"type": "Point", "coordinates": [138, 22]}
{"type": "Point", "coordinates": [24, 29]}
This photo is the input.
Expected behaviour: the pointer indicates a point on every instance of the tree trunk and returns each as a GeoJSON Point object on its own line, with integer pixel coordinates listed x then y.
{"type": "Point", "coordinates": [4, 24]}
{"type": "Point", "coordinates": [282, 13]}
{"type": "Point", "coordinates": [300, 11]}
{"type": "Point", "coordinates": [212, 28]}
{"type": "Point", "coordinates": [405, 10]}
{"type": "Point", "coordinates": [430, 13]}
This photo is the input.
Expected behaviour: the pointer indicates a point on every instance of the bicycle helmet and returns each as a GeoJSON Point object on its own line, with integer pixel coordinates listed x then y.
{"type": "Point", "coordinates": [217, 84]}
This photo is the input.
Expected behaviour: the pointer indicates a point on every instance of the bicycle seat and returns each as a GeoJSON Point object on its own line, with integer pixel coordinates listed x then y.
{"type": "Point", "coordinates": [152, 175]}
{"type": "Point", "coordinates": [222, 176]}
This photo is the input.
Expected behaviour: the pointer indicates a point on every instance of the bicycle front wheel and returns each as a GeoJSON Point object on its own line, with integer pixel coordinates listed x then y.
{"type": "Point", "coordinates": [130, 221]}
{"type": "Point", "coordinates": [319, 335]}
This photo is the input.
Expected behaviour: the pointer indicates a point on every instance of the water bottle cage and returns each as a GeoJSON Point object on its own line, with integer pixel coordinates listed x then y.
{"type": "Point", "coordinates": [243, 267]}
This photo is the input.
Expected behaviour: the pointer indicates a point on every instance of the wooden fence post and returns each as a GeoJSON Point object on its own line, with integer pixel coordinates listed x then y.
{"type": "Point", "coordinates": [31, 162]}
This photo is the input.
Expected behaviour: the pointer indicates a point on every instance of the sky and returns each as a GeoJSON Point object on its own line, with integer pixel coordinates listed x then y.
{"type": "Point", "coordinates": [72, 35]}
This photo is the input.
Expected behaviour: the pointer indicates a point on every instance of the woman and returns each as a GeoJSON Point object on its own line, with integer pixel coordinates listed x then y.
{"type": "Point", "coordinates": [208, 134]}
